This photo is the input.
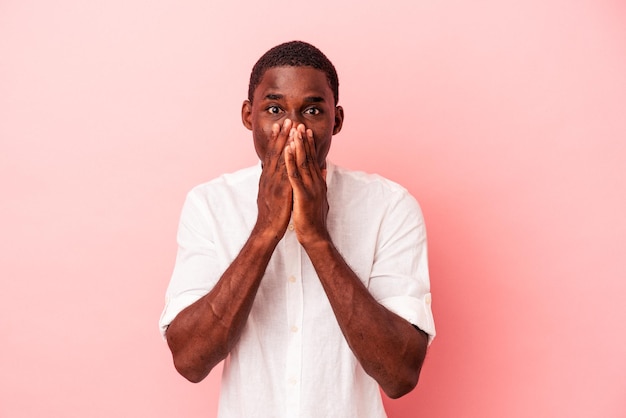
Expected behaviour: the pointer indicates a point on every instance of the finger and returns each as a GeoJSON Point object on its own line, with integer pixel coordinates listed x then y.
{"type": "Point", "coordinates": [278, 138]}
{"type": "Point", "coordinates": [300, 149]}
{"type": "Point", "coordinates": [290, 163]}
{"type": "Point", "coordinates": [312, 152]}
{"type": "Point", "coordinates": [283, 135]}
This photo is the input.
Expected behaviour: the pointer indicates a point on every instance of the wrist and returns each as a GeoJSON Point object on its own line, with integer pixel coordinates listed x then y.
{"type": "Point", "coordinates": [316, 242]}
{"type": "Point", "coordinates": [265, 233]}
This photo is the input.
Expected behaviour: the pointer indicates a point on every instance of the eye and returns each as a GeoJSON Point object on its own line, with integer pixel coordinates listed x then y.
{"type": "Point", "coordinates": [274, 110]}
{"type": "Point", "coordinates": [312, 111]}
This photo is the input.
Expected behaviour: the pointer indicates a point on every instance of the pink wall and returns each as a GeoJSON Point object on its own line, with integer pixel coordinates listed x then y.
{"type": "Point", "coordinates": [506, 121]}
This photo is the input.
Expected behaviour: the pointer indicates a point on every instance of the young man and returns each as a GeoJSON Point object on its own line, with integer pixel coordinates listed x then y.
{"type": "Point", "coordinates": [309, 279]}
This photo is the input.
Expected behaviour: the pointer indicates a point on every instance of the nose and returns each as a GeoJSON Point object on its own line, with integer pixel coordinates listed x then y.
{"type": "Point", "coordinates": [296, 118]}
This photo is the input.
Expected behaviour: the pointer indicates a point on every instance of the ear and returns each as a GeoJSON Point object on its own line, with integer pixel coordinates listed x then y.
{"type": "Point", "coordinates": [246, 114]}
{"type": "Point", "coordinates": [338, 120]}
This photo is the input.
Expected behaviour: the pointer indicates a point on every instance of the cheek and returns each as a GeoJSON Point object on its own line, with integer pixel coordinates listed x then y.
{"type": "Point", "coordinates": [261, 136]}
{"type": "Point", "coordinates": [323, 138]}
{"type": "Point", "coordinates": [260, 145]}
{"type": "Point", "coordinates": [322, 148]}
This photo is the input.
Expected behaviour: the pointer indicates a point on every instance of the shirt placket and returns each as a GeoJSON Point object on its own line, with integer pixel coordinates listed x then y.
{"type": "Point", "coordinates": [295, 305]}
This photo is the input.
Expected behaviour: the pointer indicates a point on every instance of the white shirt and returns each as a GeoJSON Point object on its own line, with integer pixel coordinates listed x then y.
{"type": "Point", "coordinates": [292, 359]}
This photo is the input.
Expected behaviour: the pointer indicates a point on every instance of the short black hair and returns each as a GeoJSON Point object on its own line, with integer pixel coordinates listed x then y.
{"type": "Point", "coordinates": [294, 54]}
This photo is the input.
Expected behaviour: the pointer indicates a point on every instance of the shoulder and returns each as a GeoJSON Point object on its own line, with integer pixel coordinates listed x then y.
{"type": "Point", "coordinates": [369, 196]}
{"type": "Point", "coordinates": [372, 205]}
{"type": "Point", "coordinates": [355, 183]}
{"type": "Point", "coordinates": [242, 181]}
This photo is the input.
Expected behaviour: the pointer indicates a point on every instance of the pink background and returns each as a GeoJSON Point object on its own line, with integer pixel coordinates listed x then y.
{"type": "Point", "coordinates": [506, 121]}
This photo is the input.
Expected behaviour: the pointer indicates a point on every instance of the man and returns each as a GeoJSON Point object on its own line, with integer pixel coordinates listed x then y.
{"type": "Point", "coordinates": [309, 279]}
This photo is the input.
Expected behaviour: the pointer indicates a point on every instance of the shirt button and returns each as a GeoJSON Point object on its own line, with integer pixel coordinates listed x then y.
{"type": "Point", "coordinates": [294, 329]}
{"type": "Point", "coordinates": [291, 227]}
{"type": "Point", "coordinates": [292, 279]}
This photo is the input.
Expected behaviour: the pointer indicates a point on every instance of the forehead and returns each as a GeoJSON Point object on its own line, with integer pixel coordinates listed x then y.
{"type": "Point", "coordinates": [294, 81]}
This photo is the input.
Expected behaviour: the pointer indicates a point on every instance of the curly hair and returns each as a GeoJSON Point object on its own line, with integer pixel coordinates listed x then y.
{"type": "Point", "coordinates": [294, 54]}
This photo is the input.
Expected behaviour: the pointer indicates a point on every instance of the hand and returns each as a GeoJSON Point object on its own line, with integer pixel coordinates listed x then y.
{"type": "Point", "coordinates": [308, 181]}
{"type": "Point", "coordinates": [274, 200]}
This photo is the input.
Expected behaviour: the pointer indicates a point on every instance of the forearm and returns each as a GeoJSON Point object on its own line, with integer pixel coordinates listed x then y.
{"type": "Point", "coordinates": [388, 347]}
{"type": "Point", "coordinates": [204, 333]}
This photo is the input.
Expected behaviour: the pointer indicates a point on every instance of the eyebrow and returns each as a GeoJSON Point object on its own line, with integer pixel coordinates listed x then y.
{"type": "Point", "coordinates": [314, 99]}
{"type": "Point", "coordinates": [310, 99]}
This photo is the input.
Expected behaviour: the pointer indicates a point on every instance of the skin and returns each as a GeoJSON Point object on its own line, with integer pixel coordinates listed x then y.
{"type": "Point", "coordinates": [293, 118]}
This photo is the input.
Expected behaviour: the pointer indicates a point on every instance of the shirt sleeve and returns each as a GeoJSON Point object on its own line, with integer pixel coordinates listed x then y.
{"type": "Point", "coordinates": [196, 270]}
{"type": "Point", "coordinates": [399, 279]}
